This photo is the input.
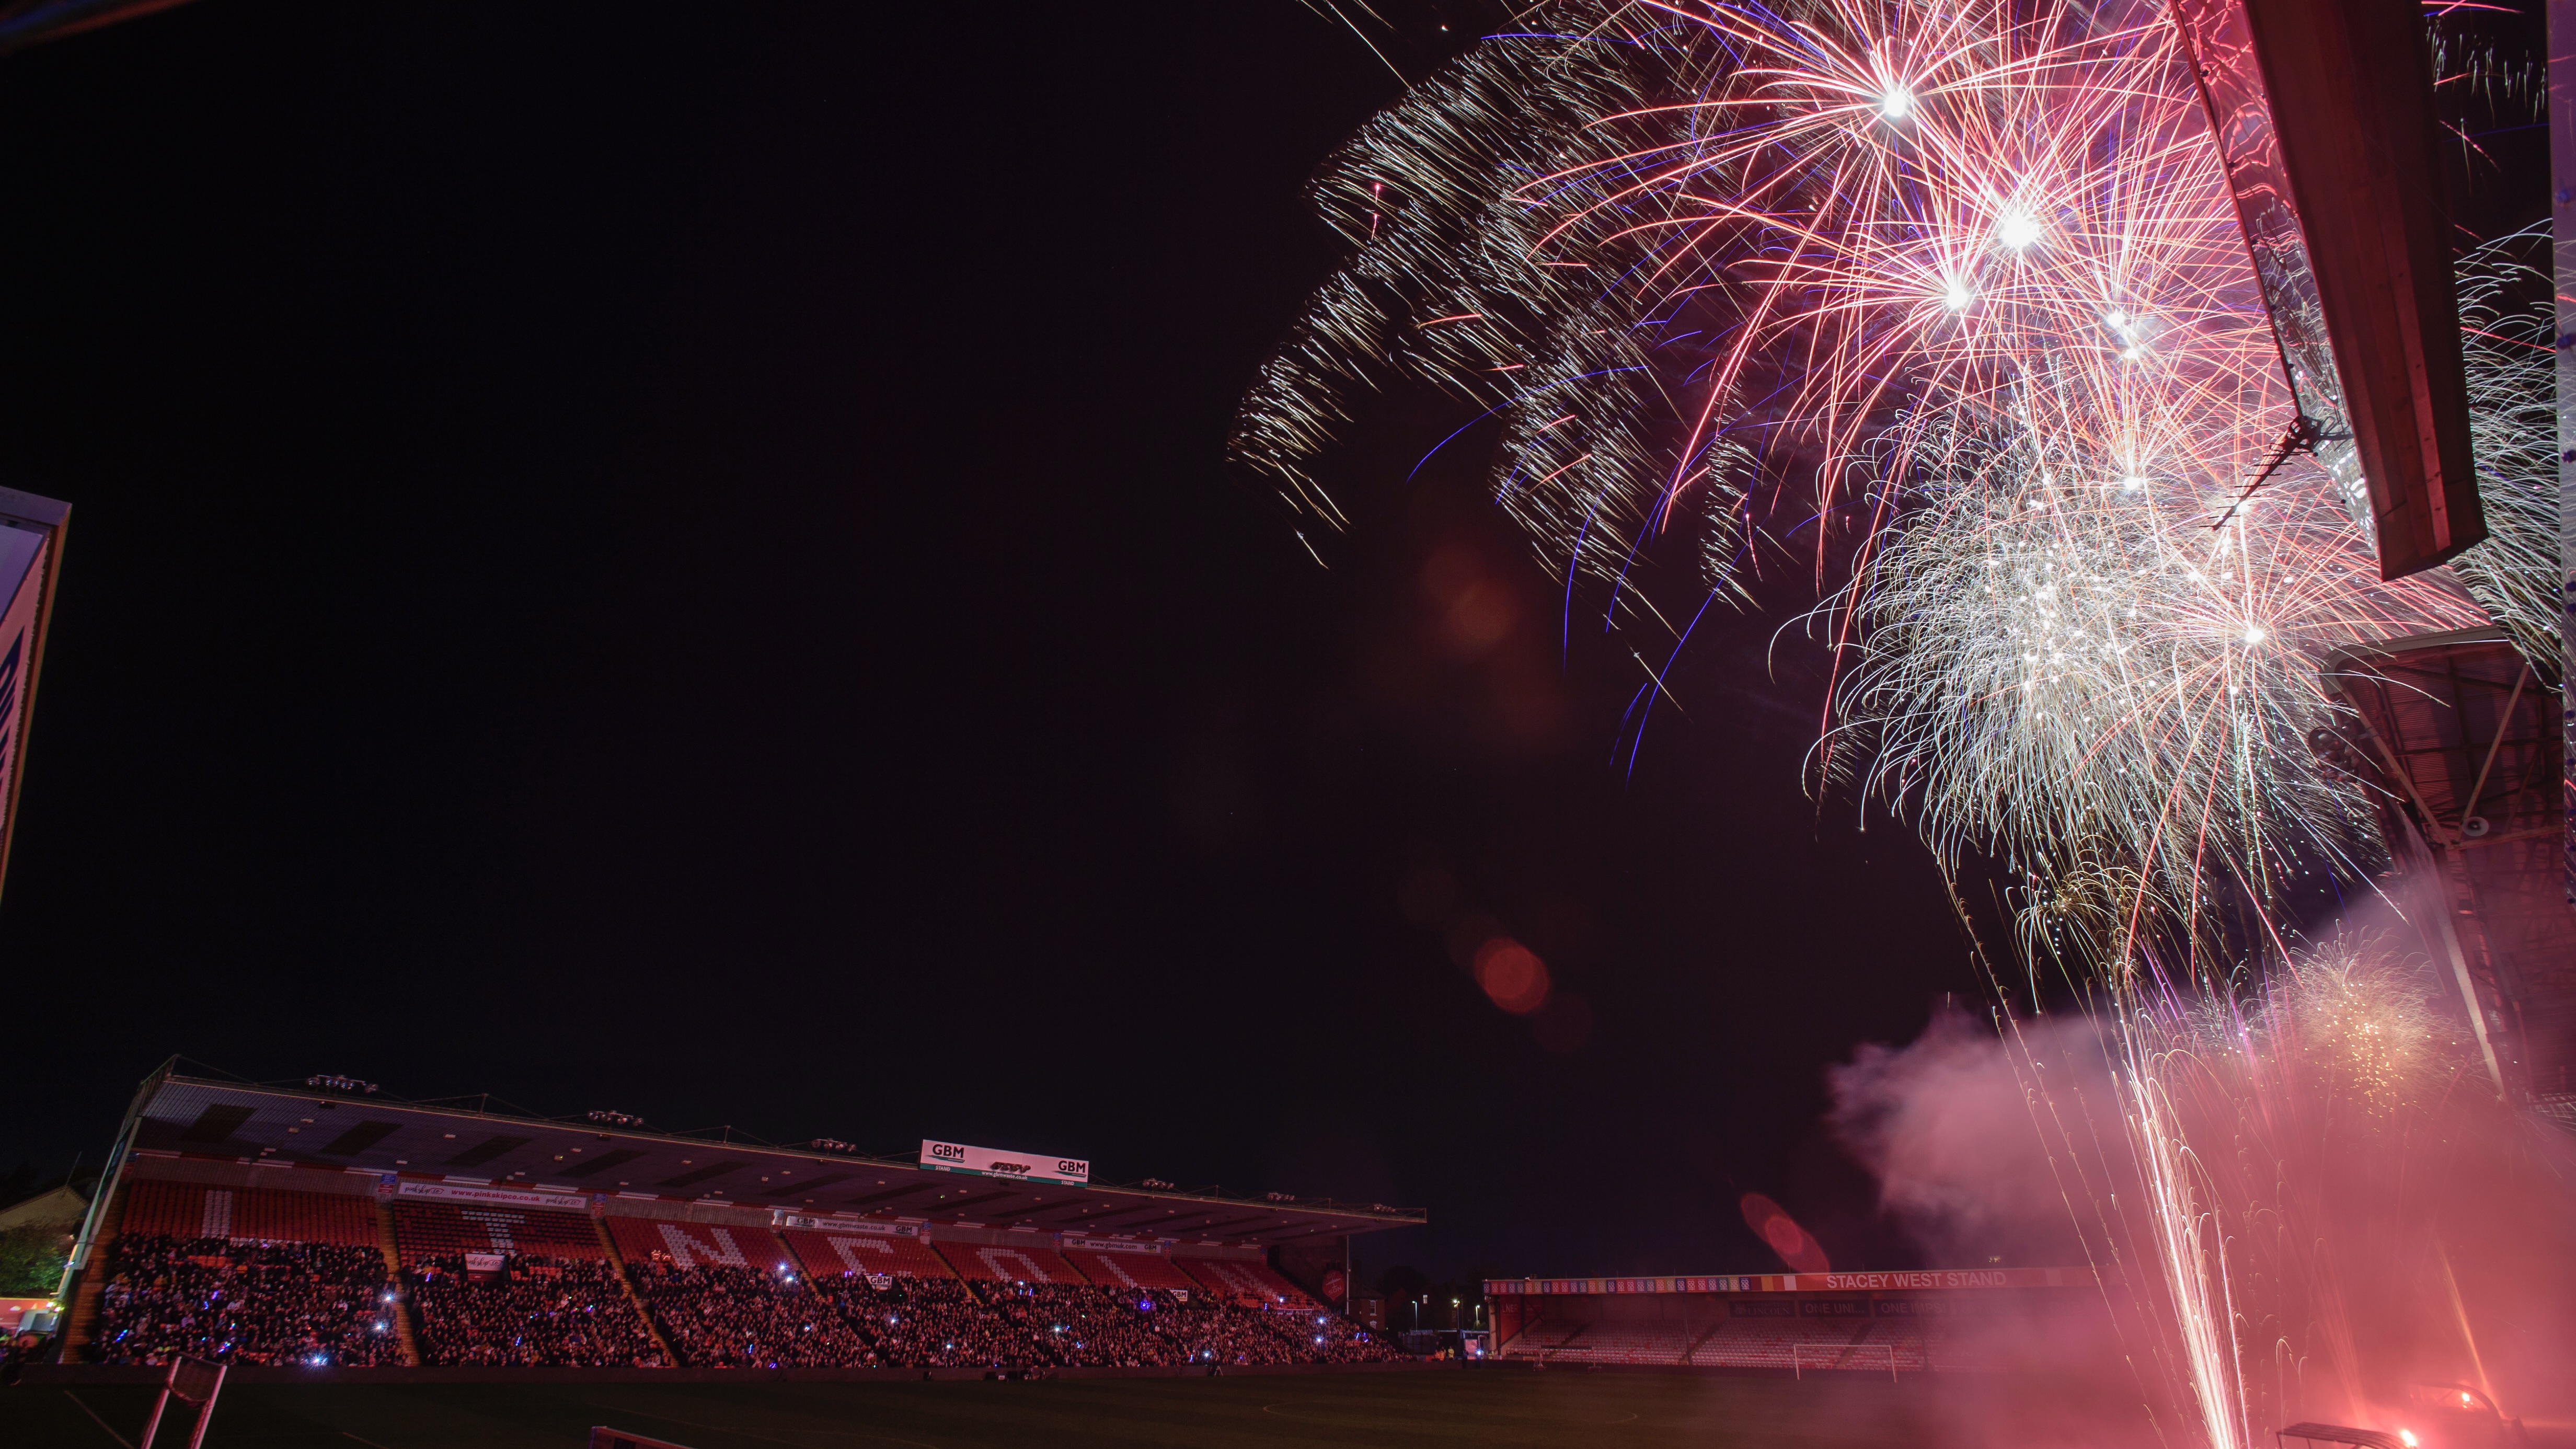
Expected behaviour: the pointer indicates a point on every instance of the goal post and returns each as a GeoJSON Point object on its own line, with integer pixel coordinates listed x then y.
{"type": "Point", "coordinates": [195, 1383]}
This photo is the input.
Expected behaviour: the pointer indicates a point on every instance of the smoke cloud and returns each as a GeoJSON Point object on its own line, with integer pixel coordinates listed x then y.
{"type": "Point", "coordinates": [2379, 1242]}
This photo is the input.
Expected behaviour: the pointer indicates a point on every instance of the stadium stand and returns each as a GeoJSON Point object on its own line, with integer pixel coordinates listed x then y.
{"type": "Point", "coordinates": [1080, 1324]}
{"type": "Point", "coordinates": [1129, 1270]}
{"type": "Point", "coordinates": [828, 1254]}
{"type": "Point", "coordinates": [1545, 1339]}
{"type": "Point", "coordinates": [218, 1272]}
{"type": "Point", "coordinates": [537, 1312]}
{"type": "Point", "coordinates": [1776, 1342]}
{"type": "Point", "coordinates": [1214, 1331]}
{"type": "Point", "coordinates": [425, 1231]}
{"type": "Point", "coordinates": [997, 1324]}
{"type": "Point", "coordinates": [925, 1322]}
{"type": "Point", "coordinates": [248, 1302]}
{"type": "Point", "coordinates": [1946, 1351]}
{"type": "Point", "coordinates": [718, 1316]}
{"type": "Point", "coordinates": [1626, 1343]}
{"type": "Point", "coordinates": [1029, 1262]}
{"type": "Point", "coordinates": [250, 1214]}
{"type": "Point", "coordinates": [644, 1242]}
{"type": "Point", "coordinates": [1245, 1282]}
{"type": "Point", "coordinates": [1912, 1348]}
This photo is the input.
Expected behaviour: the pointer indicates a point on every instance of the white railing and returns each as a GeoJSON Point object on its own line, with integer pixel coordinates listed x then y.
{"type": "Point", "coordinates": [1836, 1355]}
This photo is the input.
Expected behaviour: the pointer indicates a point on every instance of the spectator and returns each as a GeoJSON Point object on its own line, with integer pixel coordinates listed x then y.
{"type": "Point", "coordinates": [719, 1317]}
{"type": "Point", "coordinates": [323, 1304]}
{"type": "Point", "coordinates": [310, 1303]}
{"type": "Point", "coordinates": [555, 1312]}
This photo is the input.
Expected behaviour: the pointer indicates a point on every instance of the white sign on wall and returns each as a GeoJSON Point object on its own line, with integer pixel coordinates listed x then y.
{"type": "Point", "coordinates": [991, 1162]}
{"type": "Point", "coordinates": [849, 1225]}
{"type": "Point", "coordinates": [1107, 1245]}
{"type": "Point", "coordinates": [450, 1192]}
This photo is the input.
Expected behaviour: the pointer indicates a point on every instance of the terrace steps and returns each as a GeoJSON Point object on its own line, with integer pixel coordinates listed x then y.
{"type": "Point", "coordinates": [404, 1329]}
{"type": "Point", "coordinates": [1696, 1344]}
{"type": "Point", "coordinates": [626, 1281]}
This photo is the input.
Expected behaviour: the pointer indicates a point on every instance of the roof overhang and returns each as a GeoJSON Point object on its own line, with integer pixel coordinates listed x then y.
{"type": "Point", "coordinates": [2323, 114]}
{"type": "Point", "coordinates": [301, 1126]}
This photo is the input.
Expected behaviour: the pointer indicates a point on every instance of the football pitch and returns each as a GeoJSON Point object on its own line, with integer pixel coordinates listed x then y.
{"type": "Point", "coordinates": [1489, 1409]}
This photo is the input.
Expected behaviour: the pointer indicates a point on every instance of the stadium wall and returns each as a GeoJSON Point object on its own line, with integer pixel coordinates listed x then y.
{"type": "Point", "coordinates": [1879, 1321]}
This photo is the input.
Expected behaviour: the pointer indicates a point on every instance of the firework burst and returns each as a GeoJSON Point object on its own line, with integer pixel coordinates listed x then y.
{"type": "Point", "coordinates": [1963, 287]}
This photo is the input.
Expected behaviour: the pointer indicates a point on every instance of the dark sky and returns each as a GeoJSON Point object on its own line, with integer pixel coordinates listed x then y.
{"type": "Point", "coordinates": [679, 559]}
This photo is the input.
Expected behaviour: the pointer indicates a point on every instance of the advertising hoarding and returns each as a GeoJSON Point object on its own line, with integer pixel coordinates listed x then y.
{"type": "Point", "coordinates": [451, 1192]}
{"type": "Point", "coordinates": [849, 1225]}
{"type": "Point", "coordinates": [1080, 1243]}
{"type": "Point", "coordinates": [993, 1162]}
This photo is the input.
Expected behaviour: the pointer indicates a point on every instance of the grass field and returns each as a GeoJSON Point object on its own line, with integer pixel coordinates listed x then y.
{"type": "Point", "coordinates": [1489, 1409]}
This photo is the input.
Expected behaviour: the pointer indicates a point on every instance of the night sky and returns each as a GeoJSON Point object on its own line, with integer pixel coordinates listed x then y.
{"type": "Point", "coordinates": [679, 559]}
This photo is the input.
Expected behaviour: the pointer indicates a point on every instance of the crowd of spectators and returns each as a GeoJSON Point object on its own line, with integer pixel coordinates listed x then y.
{"type": "Point", "coordinates": [1084, 1325]}
{"type": "Point", "coordinates": [940, 1323]}
{"type": "Point", "coordinates": [720, 1317]}
{"type": "Point", "coordinates": [932, 1323]}
{"type": "Point", "coordinates": [1220, 1333]}
{"type": "Point", "coordinates": [322, 1304]}
{"type": "Point", "coordinates": [556, 1312]}
{"type": "Point", "coordinates": [262, 1303]}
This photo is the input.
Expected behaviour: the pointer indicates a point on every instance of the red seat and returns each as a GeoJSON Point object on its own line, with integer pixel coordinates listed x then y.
{"type": "Point", "coordinates": [1008, 1263]}
{"type": "Point", "coordinates": [250, 1214]}
{"type": "Point", "coordinates": [1130, 1270]}
{"type": "Point", "coordinates": [827, 1254]}
{"type": "Point", "coordinates": [438, 1230]}
{"type": "Point", "coordinates": [690, 1245]}
{"type": "Point", "coordinates": [1245, 1280]}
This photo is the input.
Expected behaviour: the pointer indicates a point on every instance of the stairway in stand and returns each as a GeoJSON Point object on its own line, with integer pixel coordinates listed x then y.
{"type": "Point", "coordinates": [626, 1281]}
{"type": "Point", "coordinates": [1690, 1354]}
{"type": "Point", "coordinates": [404, 1327]}
{"type": "Point", "coordinates": [1563, 1343]}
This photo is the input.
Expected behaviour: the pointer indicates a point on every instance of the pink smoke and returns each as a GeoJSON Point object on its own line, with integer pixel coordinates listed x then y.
{"type": "Point", "coordinates": [2377, 1268]}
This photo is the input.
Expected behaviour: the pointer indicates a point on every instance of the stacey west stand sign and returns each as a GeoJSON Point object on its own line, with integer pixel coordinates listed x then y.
{"type": "Point", "coordinates": [992, 1162]}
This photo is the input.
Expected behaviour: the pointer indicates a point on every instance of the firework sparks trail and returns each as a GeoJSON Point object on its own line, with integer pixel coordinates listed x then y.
{"type": "Point", "coordinates": [2272, 1132]}
{"type": "Point", "coordinates": [1962, 288]}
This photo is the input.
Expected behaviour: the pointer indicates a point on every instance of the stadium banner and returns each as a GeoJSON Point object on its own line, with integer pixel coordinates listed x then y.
{"type": "Point", "coordinates": [1833, 1308]}
{"type": "Point", "coordinates": [1945, 1278]}
{"type": "Point", "coordinates": [848, 1225]}
{"type": "Point", "coordinates": [1107, 1245]}
{"type": "Point", "coordinates": [992, 1162]}
{"type": "Point", "coordinates": [485, 1262]}
{"type": "Point", "coordinates": [1938, 1278]}
{"type": "Point", "coordinates": [1971, 1306]}
{"type": "Point", "coordinates": [449, 1192]}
